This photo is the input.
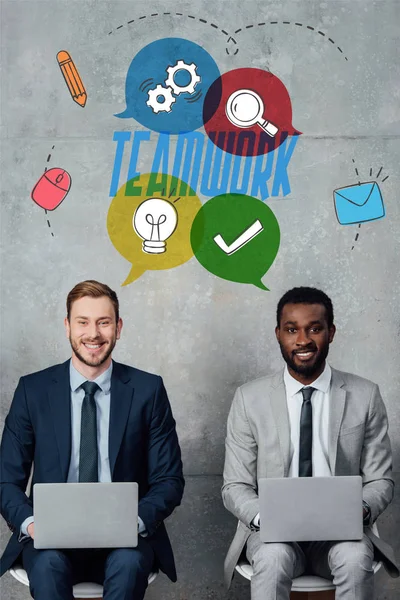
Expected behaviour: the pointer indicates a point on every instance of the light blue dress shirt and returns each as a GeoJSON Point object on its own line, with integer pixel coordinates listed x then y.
{"type": "Point", "coordinates": [103, 401]}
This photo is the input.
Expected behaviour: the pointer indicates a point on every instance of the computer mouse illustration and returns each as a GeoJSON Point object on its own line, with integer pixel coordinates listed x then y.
{"type": "Point", "coordinates": [52, 188]}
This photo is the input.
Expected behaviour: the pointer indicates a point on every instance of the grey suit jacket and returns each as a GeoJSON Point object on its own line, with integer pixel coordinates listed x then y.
{"type": "Point", "coordinates": [258, 442]}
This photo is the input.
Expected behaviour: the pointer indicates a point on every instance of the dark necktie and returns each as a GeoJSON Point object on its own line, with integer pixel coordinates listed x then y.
{"type": "Point", "coordinates": [305, 444]}
{"type": "Point", "coordinates": [88, 447]}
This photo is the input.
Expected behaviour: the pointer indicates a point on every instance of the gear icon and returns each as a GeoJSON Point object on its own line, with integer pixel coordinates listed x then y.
{"type": "Point", "coordinates": [155, 104]}
{"type": "Point", "coordinates": [182, 66]}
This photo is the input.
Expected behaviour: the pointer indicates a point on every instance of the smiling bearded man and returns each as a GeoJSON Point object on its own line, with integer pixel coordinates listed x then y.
{"type": "Point", "coordinates": [92, 344]}
{"type": "Point", "coordinates": [91, 411]}
{"type": "Point", "coordinates": [280, 426]}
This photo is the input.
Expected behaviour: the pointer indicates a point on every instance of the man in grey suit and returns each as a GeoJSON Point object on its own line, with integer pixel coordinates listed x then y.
{"type": "Point", "coordinates": [309, 420]}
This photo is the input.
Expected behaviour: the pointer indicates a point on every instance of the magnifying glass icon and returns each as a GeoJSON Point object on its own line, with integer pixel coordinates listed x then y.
{"type": "Point", "coordinates": [245, 108]}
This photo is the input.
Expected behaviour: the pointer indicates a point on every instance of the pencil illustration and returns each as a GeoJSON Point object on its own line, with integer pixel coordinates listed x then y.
{"type": "Point", "coordinates": [72, 78]}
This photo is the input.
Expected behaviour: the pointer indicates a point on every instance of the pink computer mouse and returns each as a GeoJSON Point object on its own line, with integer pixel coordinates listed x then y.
{"type": "Point", "coordinates": [51, 188]}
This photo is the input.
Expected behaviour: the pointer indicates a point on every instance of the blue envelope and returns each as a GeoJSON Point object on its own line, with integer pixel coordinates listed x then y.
{"type": "Point", "coordinates": [359, 203]}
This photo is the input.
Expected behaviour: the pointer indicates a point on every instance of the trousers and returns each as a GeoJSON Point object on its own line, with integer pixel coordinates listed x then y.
{"type": "Point", "coordinates": [123, 572]}
{"type": "Point", "coordinates": [275, 565]}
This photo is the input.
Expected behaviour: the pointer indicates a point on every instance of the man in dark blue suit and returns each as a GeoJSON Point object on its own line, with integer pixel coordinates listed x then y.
{"type": "Point", "coordinates": [91, 419]}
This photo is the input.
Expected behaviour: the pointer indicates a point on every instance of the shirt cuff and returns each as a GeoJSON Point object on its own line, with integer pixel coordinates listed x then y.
{"type": "Point", "coordinates": [256, 521]}
{"type": "Point", "coordinates": [367, 518]}
{"type": "Point", "coordinates": [23, 533]}
{"type": "Point", "coordinates": [142, 528]}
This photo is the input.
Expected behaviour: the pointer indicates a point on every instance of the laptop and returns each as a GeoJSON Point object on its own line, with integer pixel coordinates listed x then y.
{"type": "Point", "coordinates": [307, 509]}
{"type": "Point", "coordinates": [85, 515]}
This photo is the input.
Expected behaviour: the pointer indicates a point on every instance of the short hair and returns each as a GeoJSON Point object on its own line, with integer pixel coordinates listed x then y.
{"type": "Point", "coordinates": [305, 295]}
{"type": "Point", "coordinates": [93, 289]}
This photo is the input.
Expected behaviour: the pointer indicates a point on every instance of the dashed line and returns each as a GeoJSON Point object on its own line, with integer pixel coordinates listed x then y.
{"type": "Point", "coordinates": [193, 17]}
{"type": "Point", "coordinates": [45, 210]}
{"type": "Point", "coordinates": [359, 183]}
{"type": "Point", "coordinates": [310, 27]}
{"type": "Point", "coordinates": [357, 236]}
{"type": "Point", "coordinates": [356, 170]}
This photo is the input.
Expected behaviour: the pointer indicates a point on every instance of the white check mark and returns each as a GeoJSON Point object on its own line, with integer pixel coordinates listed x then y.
{"type": "Point", "coordinates": [243, 239]}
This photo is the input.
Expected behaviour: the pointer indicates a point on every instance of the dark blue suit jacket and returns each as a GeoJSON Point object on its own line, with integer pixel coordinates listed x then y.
{"type": "Point", "coordinates": [143, 447]}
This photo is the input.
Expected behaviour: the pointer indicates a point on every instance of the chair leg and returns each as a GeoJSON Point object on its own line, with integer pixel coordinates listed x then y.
{"type": "Point", "coordinates": [328, 595]}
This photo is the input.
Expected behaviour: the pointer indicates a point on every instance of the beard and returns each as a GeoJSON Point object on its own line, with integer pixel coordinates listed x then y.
{"type": "Point", "coordinates": [95, 361]}
{"type": "Point", "coordinates": [306, 369]}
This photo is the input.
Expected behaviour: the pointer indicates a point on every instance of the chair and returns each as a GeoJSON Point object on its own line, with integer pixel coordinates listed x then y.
{"type": "Point", "coordinates": [315, 587]}
{"type": "Point", "coordinates": [80, 590]}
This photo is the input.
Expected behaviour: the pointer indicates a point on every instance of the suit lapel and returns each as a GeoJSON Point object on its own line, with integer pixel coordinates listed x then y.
{"type": "Point", "coordinates": [59, 397]}
{"type": "Point", "coordinates": [121, 400]}
{"type": "Point", "coordinates": [281, 415]}
{"type": "Point", "coordinates": [336, 409]}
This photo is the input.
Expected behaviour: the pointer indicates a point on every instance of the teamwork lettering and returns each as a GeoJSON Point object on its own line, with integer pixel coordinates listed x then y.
{"type": "Point", "coordinates": [210, 164]}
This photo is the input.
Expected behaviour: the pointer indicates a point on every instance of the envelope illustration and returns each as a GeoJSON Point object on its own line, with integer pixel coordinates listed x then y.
{"type": "Point", "coordinates": [359, 203]}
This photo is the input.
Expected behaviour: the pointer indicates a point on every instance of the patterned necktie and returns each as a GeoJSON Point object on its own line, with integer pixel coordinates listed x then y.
{"type": "Point", "coordinates": [305, 444]}
{"type": "Point", "coordinates": [88, 448]}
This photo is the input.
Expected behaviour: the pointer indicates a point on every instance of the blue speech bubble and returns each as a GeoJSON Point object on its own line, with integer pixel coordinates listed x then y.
{"type": "Point", "coordinates": [166, 85]}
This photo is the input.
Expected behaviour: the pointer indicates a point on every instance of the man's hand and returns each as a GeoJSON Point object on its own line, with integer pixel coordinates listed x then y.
{"type": "Point", "coordinates": [31, 530]}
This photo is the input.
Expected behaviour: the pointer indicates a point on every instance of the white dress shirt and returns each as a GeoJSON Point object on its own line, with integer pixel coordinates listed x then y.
{"type": "Point", "coordinates": [320, 421]}
{"type": "Point", "coordinates": [320, 424]}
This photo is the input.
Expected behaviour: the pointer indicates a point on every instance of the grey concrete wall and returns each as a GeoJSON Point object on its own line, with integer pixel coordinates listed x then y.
{"type": "Point", "coordinates": [203, 334]}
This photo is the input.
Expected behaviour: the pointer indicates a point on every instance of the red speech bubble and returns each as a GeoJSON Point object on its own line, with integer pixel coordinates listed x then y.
{"type": "Point", "coordinates": [51, 188]}
{"type": "Point", "coordinates": [248, 112]}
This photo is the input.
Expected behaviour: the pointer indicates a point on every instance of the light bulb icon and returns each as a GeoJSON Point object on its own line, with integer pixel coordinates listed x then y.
{"type": "Point", "coordinates": [155, 221]}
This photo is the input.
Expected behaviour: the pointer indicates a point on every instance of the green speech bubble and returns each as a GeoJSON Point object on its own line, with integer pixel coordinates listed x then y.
{"type": "Point", "coordinates": [236, 237]}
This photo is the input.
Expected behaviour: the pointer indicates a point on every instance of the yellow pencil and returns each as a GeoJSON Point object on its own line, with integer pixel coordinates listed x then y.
{"type": "Point", "coordinates": [72, 78]}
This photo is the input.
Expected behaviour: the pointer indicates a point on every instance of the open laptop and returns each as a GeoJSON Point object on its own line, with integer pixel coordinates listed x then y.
{"type": "Point", "coordinates": [306, 509]}
{"type": "Point", "coordinates": [85, 515]}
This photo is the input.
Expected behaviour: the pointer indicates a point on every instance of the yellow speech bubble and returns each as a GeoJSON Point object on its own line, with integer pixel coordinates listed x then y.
{"type": "Point", "coordinates": [149, 238]}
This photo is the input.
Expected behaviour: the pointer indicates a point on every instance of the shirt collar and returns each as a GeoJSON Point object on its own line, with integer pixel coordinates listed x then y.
{"type": "Point", "coordinates": [322, 383]}
{"type": "Point", "coordinates": [103, 380]}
